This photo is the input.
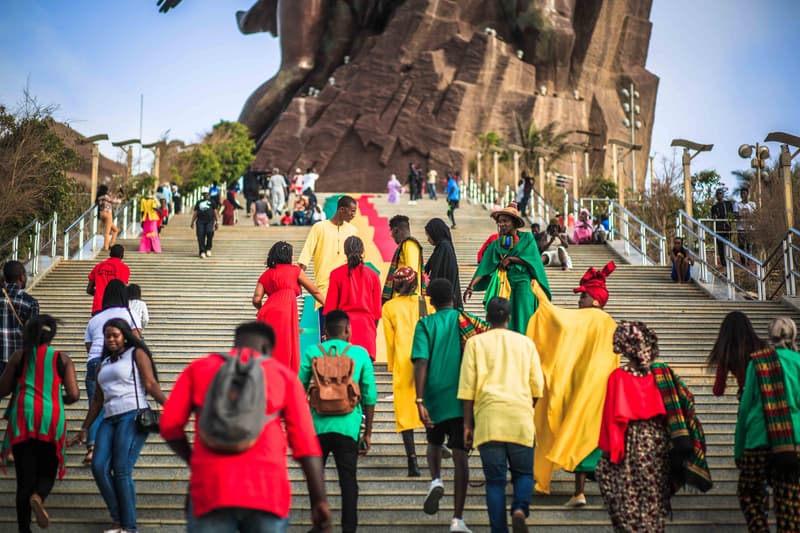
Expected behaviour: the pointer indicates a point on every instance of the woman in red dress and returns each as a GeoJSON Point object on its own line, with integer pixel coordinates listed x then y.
{"type": "Point", "coordinates": [281, 284]}
{"type": "Point", "coordinates": [356, 289]}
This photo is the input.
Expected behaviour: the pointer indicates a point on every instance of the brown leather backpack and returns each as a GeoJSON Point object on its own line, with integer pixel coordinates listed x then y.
{"type": "Point", "coordinates": [332, 390]}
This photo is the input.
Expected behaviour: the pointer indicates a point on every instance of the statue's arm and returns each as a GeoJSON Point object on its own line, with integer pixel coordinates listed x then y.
{"type": "Point", "coordinates": [166, 5]}
{"type": "Point", "coordinates": [261, 17]}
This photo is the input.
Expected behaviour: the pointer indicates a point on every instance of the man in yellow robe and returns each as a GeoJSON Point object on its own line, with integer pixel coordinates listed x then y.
{"type": "Point", "coordinates": [575, 348]}
{"type": "Point", "coordinates": [400, 316]}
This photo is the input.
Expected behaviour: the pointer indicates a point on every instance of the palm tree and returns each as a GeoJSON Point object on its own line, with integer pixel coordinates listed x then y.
{"type": "Point", "coordinates": [536, 143]}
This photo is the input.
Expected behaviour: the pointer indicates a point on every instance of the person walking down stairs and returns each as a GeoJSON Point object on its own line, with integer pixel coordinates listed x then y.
{"type": "Point", "coordinates": [436, 354]}
{"type": "Point", "coordinates": [768, 432]}
{"type": "Point", "coordinates": [36, 420]}
{"type": "Point", "coordinates": [501, 380]}
{"type": "Point", "coordinates": [400, 316]}
{"type": "Point", "coordinates": [205, 216]}
{"type": "Point", "coordinates": [337, 418]}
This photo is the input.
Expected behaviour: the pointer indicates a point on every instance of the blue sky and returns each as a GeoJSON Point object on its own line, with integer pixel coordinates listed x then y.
{"type": "Point", "coordinates": [727, 71]}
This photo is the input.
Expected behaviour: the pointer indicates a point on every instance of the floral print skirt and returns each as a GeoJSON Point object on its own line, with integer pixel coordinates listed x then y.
{"type": "Point", "coordinates": [636, 491]}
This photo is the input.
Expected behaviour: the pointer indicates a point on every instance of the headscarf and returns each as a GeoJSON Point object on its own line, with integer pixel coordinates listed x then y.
{"type": "Point", "coordinates": [437, 230]}
{"type": "Point", "coordinates": [404, 274]}
{"type": "Point", "coordinates": [637, 343]}
{"type": "Point", "coordinates": [443, 262]}
{"type": "Point", "coordinates": [593, 282]}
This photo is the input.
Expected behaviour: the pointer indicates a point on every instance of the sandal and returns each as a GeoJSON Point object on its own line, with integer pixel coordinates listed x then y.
{"type": "Point", "coordinates": [87, 459]}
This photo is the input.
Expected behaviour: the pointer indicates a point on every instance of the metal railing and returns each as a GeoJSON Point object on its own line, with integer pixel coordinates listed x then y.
{"type": "Point", "coordinates": [790, 248]}
{"type": "Point", "coordinates": [35, 246]}
{"type": "Point", "coordinates": [80, 238]}
{"type": "Point", "coordinates": [741, 272]}
{"type": "Point", "coordinates": [650, 245]}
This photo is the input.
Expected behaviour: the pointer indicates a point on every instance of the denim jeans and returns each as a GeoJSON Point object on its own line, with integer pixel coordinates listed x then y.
{"type": "Point", "coordinates": [233, 519]}
{"type": "Point", "coordinates": [495, 456]}
{"type": "Point", "coordinates": [91, 383]}
{"type": "Point", "coordinates": [116, 450]}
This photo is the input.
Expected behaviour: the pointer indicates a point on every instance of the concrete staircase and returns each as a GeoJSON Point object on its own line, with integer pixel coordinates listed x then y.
{"type": "Point", "coordinates": [195, 304]}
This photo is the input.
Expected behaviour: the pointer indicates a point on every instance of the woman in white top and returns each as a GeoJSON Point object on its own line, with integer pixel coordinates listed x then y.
{"type": "Point", "coordinates": [127, 374]}
{"type": "Point", "coordinates": [115, 305]}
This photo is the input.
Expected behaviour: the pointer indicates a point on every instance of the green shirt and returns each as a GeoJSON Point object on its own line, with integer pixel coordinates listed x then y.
{"type": "Point", "coordinates": [437, 340]}
{"type": "Point", "coordinates": [751, 427]}
{"type": "Point", "coordinates": [363, 374]}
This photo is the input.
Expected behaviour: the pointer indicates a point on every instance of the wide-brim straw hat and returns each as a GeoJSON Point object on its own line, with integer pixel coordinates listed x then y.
{"type": "Point", "coordinates": [510, 211]}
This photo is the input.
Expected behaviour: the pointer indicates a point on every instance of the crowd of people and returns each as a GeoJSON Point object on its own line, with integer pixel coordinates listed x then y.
{"type": "Point", "coordinates": [589, 392]}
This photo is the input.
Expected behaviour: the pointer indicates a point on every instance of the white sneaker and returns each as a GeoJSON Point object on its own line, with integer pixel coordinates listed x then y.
{"type": "Point", "coordinates": [457, 524]}
{"type": "Point", "coordinates": [202, 255]}
{"type": "Point", "coordinates": [435, 493]}
{"type": "Point", "coordinates": [208, 253]}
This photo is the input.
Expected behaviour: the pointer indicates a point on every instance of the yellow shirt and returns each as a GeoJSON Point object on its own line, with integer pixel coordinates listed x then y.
{"type": "Point", "coordinates": [325, 244]}
{"type": "Point", "coordinates": [502, 374]}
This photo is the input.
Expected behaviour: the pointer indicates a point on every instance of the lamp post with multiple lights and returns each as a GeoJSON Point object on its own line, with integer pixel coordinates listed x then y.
{"type": "Point", "coordinates": [758, 163]}
{"type": "Point", "coordinates": [631, 108]}
{"type": "Point", "coordinates": [129, 151]}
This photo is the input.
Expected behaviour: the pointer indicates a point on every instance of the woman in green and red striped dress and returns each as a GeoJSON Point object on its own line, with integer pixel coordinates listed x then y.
{"type": "Point", "coordinates": [42, 381]}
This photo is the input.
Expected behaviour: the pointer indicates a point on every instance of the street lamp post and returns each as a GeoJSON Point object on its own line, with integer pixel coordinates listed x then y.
{"type": "Point", "coordinates": [687, 173]}
{"type": "Point", "coordinates": [129, 151]}
{"type": "Point", "coordinates": [628, 146]}
{"type": "Point", "coordinates": [631, 109]}
{"type": "Point", "coordinates": [759, 162]}
{"type": "Point", "coordinates": [786, 171]}
{"type": "Point", "coordinates": [94, 139]}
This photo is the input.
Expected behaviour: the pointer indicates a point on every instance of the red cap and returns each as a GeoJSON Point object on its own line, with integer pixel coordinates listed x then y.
{"type": "Point", "coordinates": [594, 283]}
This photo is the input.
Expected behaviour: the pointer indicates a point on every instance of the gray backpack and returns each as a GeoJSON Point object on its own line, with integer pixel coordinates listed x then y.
{"type": "Point", "coordinates": [234, 412]}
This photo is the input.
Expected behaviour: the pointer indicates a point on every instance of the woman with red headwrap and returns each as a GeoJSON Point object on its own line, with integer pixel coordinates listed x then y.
{"type": "Point", "coordinates": [400, 316]}
{"type": "Point", "coordinates": [575, 348]}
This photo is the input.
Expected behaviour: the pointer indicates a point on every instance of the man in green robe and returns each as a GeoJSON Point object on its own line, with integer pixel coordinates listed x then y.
{"type": "Point", "coordinates": [508, 267]}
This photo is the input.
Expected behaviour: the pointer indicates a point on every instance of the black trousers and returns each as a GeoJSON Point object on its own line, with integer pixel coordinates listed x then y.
{"type": "Point", "coordinates": [205, 235]}
{"type": "Point", "coordinates": [36, 464]}
{"type": "Point", "coordinates": [345, 453]}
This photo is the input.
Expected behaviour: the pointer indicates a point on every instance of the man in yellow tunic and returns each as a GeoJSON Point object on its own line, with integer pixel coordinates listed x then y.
{"type": "Point", "coordinates": [400, 316]}
{"type": "Point", "coordinates": [407, 254]}
{"type": "Point", "coordinates": [577, 356]}
{"type": "Point", "coordinates": [325, 243]}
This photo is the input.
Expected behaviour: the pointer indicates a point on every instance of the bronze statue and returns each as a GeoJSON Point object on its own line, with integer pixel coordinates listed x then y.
{"type": "Point", "coordinates": [322, 34]}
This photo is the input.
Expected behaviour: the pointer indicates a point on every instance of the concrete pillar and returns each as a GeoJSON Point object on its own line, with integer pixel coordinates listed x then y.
{"type": "Point", "coordinates": [687, 182]}
{"type": "Point", "coordinates": [95, 167]}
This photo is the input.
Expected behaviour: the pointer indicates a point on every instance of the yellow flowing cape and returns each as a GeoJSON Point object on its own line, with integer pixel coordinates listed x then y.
{"type": "Point", "coordinates": [575, 347]}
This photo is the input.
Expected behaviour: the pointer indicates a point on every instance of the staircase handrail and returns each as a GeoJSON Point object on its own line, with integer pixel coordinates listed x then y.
{"type": "Point", "coordinates": [124, 218]}
{"type": "Point", "coordinates": [622, 222]}
{"type": "Point", "coordinates": [32, 243]}
{"type": "Point", "coordinates": [686, 224]}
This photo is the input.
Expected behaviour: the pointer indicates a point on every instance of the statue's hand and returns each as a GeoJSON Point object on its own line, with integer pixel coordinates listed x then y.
{"type": "Point", "coordinates": [166, 5]}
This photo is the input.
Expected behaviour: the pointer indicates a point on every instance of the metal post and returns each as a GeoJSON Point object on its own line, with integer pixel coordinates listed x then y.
{"type": "Point", "coordinates": [495, 175]}
{"type": "Point", "coordinates": [54, 237]}
{"type": "Point", "coordinates": [687, 182]}
{"type": "Point", "coordinates": [761, 282]}
{"type": "Point", "coordinates": [95, 166]}
{"type": "Point", "coordinates": [541, 185]}
{"type": "Point", "coordinates": [94, 232]}
{"type": "Point", "coordinates": [787, 265]}
{"type": "Point", "coordinates": [643, 244]}
{"type": "Point", "coordinates": [15, 248]}
{"type": "Point", "coordinates": [662, 251]}
{"type": "Point", "coordinates": [704, 274]}
{"type": "Point", "coordinates": [575, 184]}
{"type": "Point", "coordinates": [565, 210]}
{"type": "Point", "coordinates": [626, 233]}
{"type": "Point", "coordinates": [611, 223]}
{"type": "Point", "coordinates": [729, 272]}
{"type": "Point", "coordinates": [81, 225]}
{"type": "Point", "coordinates": [125, 222]}
{"type": "Point", "coordinates": [37, 242]}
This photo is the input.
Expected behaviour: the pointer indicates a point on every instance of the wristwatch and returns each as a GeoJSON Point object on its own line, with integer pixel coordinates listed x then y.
{"type": "Point", "coordinates": [419, 400]}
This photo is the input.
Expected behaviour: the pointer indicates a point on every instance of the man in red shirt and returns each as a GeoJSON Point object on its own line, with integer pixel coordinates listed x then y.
{"type": "Point", "coordinates": [248, 490]}
{"type": "Point", "coordinates": [105, 271]}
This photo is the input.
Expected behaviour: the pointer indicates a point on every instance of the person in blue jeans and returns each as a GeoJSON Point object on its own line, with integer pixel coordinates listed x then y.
{"type": "Point", "coordinates": [500, 380]}
{"type": "Point", "coordinates": [126, 375]}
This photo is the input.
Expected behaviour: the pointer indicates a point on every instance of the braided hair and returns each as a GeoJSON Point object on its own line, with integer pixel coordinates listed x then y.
{"type": "Point", "coordinates": [280, 254]}
{"type": "Point", "coordinates": [354, 250]}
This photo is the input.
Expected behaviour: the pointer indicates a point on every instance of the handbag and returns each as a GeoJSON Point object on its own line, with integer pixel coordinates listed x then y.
{"type": "Point", "coordinates": [146, 419]}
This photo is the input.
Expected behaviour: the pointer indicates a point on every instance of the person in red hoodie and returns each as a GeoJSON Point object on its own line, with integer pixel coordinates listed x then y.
{"type": "Point", "coordinates": [247, 491]}
{"type": "Point", "coordinates": [105, 271]}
